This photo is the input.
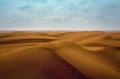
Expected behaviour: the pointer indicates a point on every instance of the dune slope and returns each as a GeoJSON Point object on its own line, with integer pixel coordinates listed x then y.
{"type": "Point", "coordinates": [94, 66]}
{"type": "Point", "coordinates": [36, 62]}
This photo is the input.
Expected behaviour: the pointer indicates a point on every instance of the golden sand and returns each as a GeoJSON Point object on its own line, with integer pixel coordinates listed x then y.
{"type": "Point", "coordinates": [60, 55]}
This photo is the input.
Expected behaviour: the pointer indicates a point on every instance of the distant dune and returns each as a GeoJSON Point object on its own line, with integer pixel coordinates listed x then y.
{"type": "Point", "coordinates": [60, 55]}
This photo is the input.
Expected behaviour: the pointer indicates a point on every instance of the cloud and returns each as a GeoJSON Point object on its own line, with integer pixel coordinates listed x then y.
{"type": "Point", "coordinates": [89, 14]}
{"type": "Point", "coordinates": [25, 7]}
{"type": "Point", "coordinates": [38, 1]}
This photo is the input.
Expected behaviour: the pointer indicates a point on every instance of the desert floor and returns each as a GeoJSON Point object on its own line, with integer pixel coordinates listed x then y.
{"type": "Point", "coordinates": [59, 55]}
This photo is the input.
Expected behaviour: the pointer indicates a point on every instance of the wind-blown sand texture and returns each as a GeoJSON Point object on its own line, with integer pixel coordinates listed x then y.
{"type": "Point", "coordinates": [60, 55]}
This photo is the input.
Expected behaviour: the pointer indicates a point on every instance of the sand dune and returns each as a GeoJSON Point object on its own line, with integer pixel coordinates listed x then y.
{"type": "Point", "coordinates": [85, 61]}
{"type": "Point", "coordinates": [60, 55]}
{"type": "Point", "coordinates": [79, 36]}
{"type": "Point", "coordinates": [36, 62]}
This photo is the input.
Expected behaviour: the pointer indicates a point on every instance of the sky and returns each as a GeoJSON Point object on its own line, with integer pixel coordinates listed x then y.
{"type": "Point", "coordinates": [60, 14]}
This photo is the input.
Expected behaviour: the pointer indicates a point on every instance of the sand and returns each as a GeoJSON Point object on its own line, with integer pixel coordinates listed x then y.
{"type": "Point", "coordinates": [60, 55]}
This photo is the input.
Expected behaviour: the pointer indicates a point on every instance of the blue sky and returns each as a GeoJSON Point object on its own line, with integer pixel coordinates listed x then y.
{"type": "Point", "coordinates": [60, 14]}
